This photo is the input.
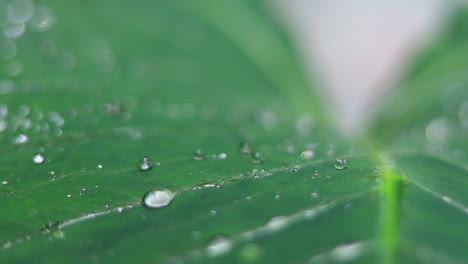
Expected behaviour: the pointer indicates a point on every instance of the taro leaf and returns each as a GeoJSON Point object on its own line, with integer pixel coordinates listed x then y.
{"type": "Point", "coordinates": [109, 84]}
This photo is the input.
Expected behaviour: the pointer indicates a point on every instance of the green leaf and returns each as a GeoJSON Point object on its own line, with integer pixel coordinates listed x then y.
{"type": "Point", "coordinates": [109, 84]}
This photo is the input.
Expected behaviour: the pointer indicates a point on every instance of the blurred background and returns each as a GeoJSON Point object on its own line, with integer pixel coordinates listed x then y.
{"type": "Point", "coordinates": [360, 49]}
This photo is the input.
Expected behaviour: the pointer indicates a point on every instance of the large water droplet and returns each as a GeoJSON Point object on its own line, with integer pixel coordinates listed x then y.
{"type": "Point", "coordinates": [145, 164]}
{"type": "Point", "coordinates": [158, 198]}
{"type": "Point", "coordinates": [340, 164]}
{"type": "Point", "coordinates": [246, 148]}
{"type": "Point", "coordinates": [218, 246]}
{"type": "Point", "coordinates": [38, 158]}
{"type": "Point", "coordinates": [257, 157]}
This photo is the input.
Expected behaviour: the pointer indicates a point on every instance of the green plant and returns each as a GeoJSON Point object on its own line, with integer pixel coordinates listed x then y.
{"type": "Point", "coordinates": [214, 94]}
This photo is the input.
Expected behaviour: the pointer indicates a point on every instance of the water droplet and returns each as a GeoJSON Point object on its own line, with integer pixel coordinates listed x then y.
{"type": "Point", "coordinates": [348, 252]}
{"type": "Point", "coordinates": [314, 194]}
{"type": "Point", "coordinates": [20, 139]}
{"type": "Point", "coordinates": [213, 212]}
{"type": "Point", "coordinates": [69, 196]}
{"type": "Point", "coordinates": [41, 20]}
{"type": "Point", "coordinates": [100, 166]}
{"type": "Point", "coordinates": [315, 172]}
{"type": "Point", "coordinates": [245, 148]}
{"type": "Point", "coordinates": [145, 164]}
{"type": "Point", "coordinates": [38, 158]}
{"type": "Point", "coordinates": [257, 157]}
{"type": "Point", "coordinates": [5, 182]}
{"type": "Point", "coordinates": [296, 168]}
{"type": "Point", "coordinates": [158, 198]}
{"type": "Point", "coordinates": [14, 30]}
{"type": "Point", "coordinates": [218, 246]}
{"type": "Point", "coordinates": [7, 47]}
{"type": "Point", "coordinates": [340, 164]}
{"type": "Point", "coordinates": [198, 155]}
{"type": "Point", "coordinates": [307, 154]}
{"type": "Point", "coordinates": [20, 11]}
{"type": "Point", "coordinates": [222, 156]}
{"type": "Point", "coordinates": [277, 197]}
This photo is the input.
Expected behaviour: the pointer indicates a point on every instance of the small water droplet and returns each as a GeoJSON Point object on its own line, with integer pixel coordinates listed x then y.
{"type": "Point", "coordinates": [158, 198]}
{"type": "Point", "coordinates": [145, 164]}
{"type": "Point", "coordinates": [222, 156]}
{"type": "Point", "coordinates": [307, 154]}
{"type": "Point", "coordinates": [198, 154]}
{"type": "Point", "coordinates": [100, 166]}
{"type": "Point", "coordinates": [5, 182]}
{"type": "Point", "coordinates": [213, 212]}
{"type": "Point", "coordinates": [257, 157]}
{"type": "Point", "coordinates": [314, 194]}
{"type": "Point", "coordinates": [69, 196]}
{"type": "Point", "coordinates": [20, 139]}
{"type": "Point", "coordinates": [340, 164]}
{"type": "Point", "coordinates": [218, 246]}
{"type": "Point", "coordinates": [245, 148]}
{"type": "Point", "coordinates": [277, 197]}
{"type": "Point", "coordinates": [38, 158]}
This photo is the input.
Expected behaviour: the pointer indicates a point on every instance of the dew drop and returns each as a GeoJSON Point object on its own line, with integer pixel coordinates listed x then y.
{"type": "Point", "coordinates": [38, 158]}
{"type": "Point", "coordinates": [100, 166]}
{"type": "Point", "coordinates": [5, 182]}
{"type": "Point", "coordinates": [218, 246]}
{"type": "Point", "coordinates": [69, 196]}
{"type": "Point", "coordinates": [20, 139]}
{"type": "Point", "coordinates": [314, 194]}
{"type": "Point", "coordinates": [198, 155]}
{"type": "Point", "coordinates": [145, 164]}
{"type": "Point", "coordinates": [277, 197]}
{"type": "Point", "coordinates": [307, 154]}
{"type": "Point", "coordinates": [257, 157]}
{"type": "Point", "coordinates": [222, 156]}
{"type": "Point", "coordinates": [158, 198]}
{"type": "Point", "coordinates": [213, 212]}
{"type": "Point", "coordinates": [340, 164]}
{"type": "Point", "coordinates": [42, 19]}
{"type": "Point", "coordinates": [245, 148]}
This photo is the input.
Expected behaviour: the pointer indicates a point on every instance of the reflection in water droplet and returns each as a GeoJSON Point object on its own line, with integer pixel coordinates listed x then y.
{"type": "Point", "coordinates": [314, 194]}
{"type": "Point", "coordinates": [14, 30]}
{"type": "Point", "coordinates": [307, 154]}
{"type": "Point", "coordinates": [158, 198]}
{"type": "Point", "coordinates": [41, 20]}
{"type": "Point", "coordinates": [245, 148]}
{"type": "Point", "coordinates": [38, 158]}
{"type": "Point", "coordinates": [218, 246]}
{"type": "Point", "coordinates": [145, 164]}
{"type": "Point", "coordinates": [340, 164]}
{"type": "Point", "coordinates": [20, 139]}
{"type": "Point", "coordinates": [198, 155]}
{"type": "Point", "coordinates": [257, 157]}
{"type": "Point", "coordinates": [213, 212]}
